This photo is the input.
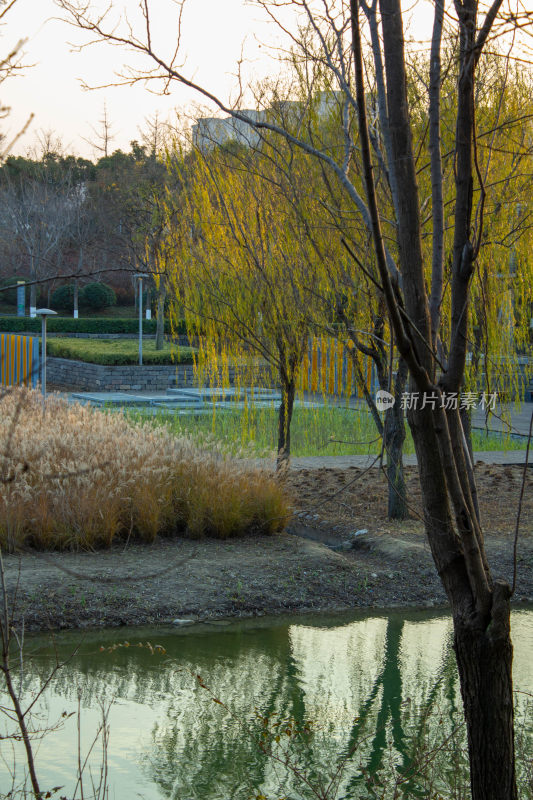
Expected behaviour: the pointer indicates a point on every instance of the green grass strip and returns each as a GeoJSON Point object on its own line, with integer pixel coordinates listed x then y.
{"type": "Point", "coordinates": [114, 352]}
{"type": "Point", "coordinates": [324, 431]}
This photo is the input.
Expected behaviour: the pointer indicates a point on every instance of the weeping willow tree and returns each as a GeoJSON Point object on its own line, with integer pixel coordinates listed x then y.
{"type": "Point", "coordinates": [335, 295]}
{"type": "Point", "coordinates": [337, 299]}
{"type": "Point", "coordinates": [503, 289]}
{"type": "Point", "coordinates": [502, 283]}
{"type": "Point", "coordinates": [242, 271]}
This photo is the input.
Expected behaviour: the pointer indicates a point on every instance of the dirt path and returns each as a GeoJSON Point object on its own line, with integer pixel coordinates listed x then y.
{"type": "Point", "coordinates": [323, 562]}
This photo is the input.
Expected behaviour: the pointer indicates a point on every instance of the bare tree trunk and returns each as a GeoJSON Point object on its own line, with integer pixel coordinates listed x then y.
{"type": "Point", "coordinates": [482, 641]}
{"type": "Point", "coordinates": [33, 288]}
{"type": "Point", "coordinates": [484, 659]}
{"type": "Point", "coordinates": [76, 283]}
{"type": "Point", "coordinates": [160, 315]}
{"type": "Point", "coordinates": [394, 438]}
{"type": "Point", "coordinates": [5, 668]}
{"type": "Point", "coordinates": [372, 17]}
{"type": "Point", "coordinates": [480, 606]}
{"type": "Point", "coordinates": [437, 205]}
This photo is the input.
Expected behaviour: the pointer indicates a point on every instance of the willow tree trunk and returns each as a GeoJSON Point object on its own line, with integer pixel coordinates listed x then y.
{"type": "Point", "coordinates": [288, 391]}
{"type": "Point", "coordinates": [394, 438]}
{"type": "Point", "coordinates": [392, 429]}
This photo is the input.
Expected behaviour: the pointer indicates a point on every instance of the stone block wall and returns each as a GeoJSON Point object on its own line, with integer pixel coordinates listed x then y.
{"type": "Point", "coordinates": [81, 376]}
{"type": "Point", "coordinates": [84, 377]}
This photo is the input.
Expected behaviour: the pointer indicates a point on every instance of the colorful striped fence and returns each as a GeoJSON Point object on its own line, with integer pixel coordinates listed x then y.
{"type": "Point", "coordinates": [328, 368]}
{"type": "Point", "coordinates": [19, 360]}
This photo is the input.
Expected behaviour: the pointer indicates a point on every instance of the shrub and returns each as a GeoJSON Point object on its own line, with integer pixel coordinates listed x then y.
{"type": "Point", "coordinates": [117, 351]}
{"type": "Point", "coordinates": [63, 298]}
{"type": "Point", "coordinates": [97, 296]}
{"type": "Point", "coordinates": [125, 297]}
{"type": "Point", "coordinates": [83, 477]}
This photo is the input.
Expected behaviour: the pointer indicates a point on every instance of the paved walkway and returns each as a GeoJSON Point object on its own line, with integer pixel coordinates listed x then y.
{"type": "Point", "coordinates": [509, 418]}
{"type": "Point", "coordinates": [362, 462]}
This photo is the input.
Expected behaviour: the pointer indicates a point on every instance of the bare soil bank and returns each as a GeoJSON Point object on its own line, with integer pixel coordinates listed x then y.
{"type": "Point", "coordinates": [312, 567]}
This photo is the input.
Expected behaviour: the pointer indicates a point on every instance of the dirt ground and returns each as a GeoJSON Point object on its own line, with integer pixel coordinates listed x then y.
{"type": "Point", "coordinates": [318, 564]}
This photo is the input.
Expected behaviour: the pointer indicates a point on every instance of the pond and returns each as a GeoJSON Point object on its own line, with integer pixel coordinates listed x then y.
{"type": "Point", "coordinates": [355, 699]}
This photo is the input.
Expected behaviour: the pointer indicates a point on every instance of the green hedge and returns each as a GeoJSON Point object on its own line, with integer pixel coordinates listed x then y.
{"type": "Point", "coordinates": [89, 325]}
{"type": "Point", "coordinates": [114, 352]}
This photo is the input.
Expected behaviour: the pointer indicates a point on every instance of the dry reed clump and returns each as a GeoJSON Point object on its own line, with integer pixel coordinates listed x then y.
{"type": "Point", "coordinates": [77, 477]}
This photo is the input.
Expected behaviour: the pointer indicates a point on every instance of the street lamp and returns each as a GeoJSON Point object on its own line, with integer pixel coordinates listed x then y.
{"type": "Point", "coordinates": [141, 275]}
{"type": "Point", "coordinates": [43, 313]}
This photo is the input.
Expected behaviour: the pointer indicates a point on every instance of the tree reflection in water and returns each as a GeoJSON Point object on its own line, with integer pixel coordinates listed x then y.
{"type": "Point", "coordinates": [382, 692]}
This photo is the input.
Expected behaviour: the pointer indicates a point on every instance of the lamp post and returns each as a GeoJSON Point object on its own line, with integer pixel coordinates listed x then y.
{"type": "Point", "coordinates": [141, 275]}
{"type": "Point", "coordinates": [43, 313]}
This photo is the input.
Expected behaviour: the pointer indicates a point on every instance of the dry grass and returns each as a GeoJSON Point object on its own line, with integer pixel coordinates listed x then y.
{"type": "Point", "coordinates": [74, 477]}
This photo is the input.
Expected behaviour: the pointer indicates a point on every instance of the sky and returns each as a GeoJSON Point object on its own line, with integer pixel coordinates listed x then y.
{"type": "Point", "coordinates": [213, 33]}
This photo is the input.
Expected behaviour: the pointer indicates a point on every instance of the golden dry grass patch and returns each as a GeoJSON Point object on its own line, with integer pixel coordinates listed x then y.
{"type": "Point", "coordinates": [73, 476]}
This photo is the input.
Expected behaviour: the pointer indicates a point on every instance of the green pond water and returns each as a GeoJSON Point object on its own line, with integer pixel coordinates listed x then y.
{"type": "Point", "coordinates": [377, 691]}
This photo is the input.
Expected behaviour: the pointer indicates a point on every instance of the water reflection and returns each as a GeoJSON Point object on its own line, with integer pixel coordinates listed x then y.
{"type": "Point", "coordinates": [381, 691]}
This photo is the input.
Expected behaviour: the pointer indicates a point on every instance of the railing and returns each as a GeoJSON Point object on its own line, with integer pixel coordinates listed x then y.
{"type": "Point", "coordinates": [19, 360]}
{"type": "Point", "coordinates": [328, 369]}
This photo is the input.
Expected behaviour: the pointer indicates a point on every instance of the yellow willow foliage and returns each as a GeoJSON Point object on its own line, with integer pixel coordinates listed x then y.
{"type": "Point", "coordinates": [256, 246]}
{"type": "Point", "coordinates": [502, 286]}
{"type": "Point", "coordinates": [244, 268]}
{"type": "Point", "coordinates": [78, 477]}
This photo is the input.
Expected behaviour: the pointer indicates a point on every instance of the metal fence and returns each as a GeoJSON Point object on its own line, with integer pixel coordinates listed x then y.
{"type": "Point", "coordinates": [328, 368]}
{"type": "Point", "coordinates": [19, 360]}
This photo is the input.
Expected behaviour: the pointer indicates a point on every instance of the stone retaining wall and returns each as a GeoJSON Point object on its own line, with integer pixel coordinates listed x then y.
{"type": "Point", "coordinates": [81, 376]}
{"type": "Point", "coordinates": [85, 377]}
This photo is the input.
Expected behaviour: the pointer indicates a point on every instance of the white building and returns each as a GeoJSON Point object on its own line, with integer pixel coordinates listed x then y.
{"type": "Point", "coordinates": [209, 132]}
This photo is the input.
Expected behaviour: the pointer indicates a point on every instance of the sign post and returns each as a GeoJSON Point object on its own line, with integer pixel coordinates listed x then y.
{"type": "Point", "coordinates": [21, 298]}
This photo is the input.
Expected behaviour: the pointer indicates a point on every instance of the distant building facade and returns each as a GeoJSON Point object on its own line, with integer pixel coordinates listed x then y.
{"type": "Point", "coordinates": [209, 132]}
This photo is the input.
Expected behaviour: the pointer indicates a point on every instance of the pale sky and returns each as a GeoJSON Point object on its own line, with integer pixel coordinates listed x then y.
{"type": "Point", "coordinates": [213, 33]}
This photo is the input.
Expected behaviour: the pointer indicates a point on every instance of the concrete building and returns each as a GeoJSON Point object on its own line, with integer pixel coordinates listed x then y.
{"type": "Point", "coordinates": [209, 132]}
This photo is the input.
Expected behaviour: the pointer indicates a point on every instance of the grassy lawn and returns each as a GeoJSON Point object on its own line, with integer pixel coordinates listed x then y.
{"type": "Point", "coordinates": [118, 351]}
{"type": "Point", "coordinates": [324, 431]}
